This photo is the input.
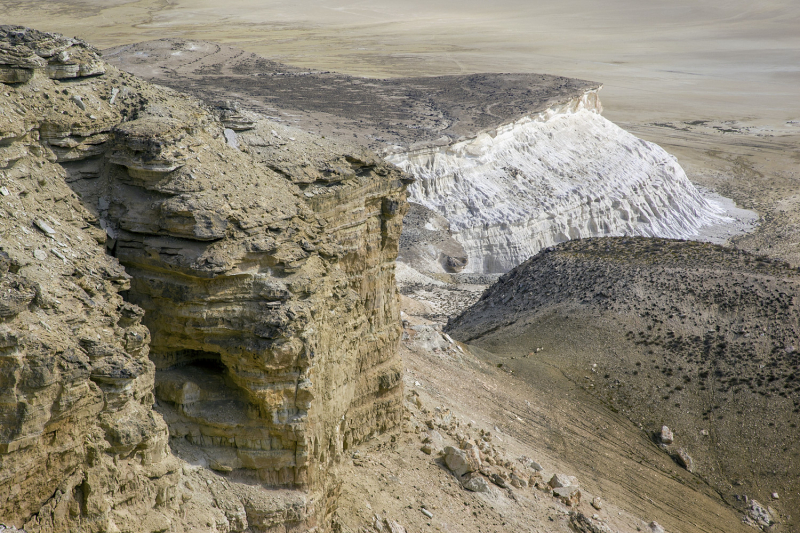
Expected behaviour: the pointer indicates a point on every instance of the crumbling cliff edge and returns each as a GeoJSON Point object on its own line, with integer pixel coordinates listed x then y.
{"type": "Point", "coordinates": [514, 162]}
{"type": "Point", "coordinates": [182, 327]}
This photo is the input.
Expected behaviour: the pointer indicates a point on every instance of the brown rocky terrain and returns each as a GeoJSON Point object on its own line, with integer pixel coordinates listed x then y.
{"type": "Point", "coordinates": [260, 313]}
{"type": "Point", "coordinates": [522, 430]}
{"type": "Point", "coordinates": [696, 337]}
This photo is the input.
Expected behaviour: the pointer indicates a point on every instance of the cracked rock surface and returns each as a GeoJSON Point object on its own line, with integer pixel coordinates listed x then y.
{"type": "Point", "coordinates": [257, 337]}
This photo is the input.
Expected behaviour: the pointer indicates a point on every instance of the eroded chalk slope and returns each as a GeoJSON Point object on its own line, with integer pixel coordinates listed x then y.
{"type": "Point", "coordinates": [566, 173]}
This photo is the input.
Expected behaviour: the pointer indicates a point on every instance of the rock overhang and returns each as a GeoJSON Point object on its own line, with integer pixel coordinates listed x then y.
{"type": "Point", "coordinates": [270, 297]}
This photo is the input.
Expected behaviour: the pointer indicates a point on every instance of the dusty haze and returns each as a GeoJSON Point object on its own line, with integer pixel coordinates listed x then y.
{"type": "Point", "coordinates": [678, 60]}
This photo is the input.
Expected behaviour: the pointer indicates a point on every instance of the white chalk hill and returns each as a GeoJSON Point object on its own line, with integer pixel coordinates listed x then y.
{"type": "Point", "coordinates": [565, 174]}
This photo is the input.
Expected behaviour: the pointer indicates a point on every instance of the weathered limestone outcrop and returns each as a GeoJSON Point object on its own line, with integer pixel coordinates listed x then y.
{"type": "Point", "coordinates": [78, 435]}
{"type": "Point", "coordinates": [565, 173]}
{"type": "Point", "coordinates": [260, 311]}
{"type": "Point", "coordinates": [272, 310]}
{"type": "Point", "coordinates": [23, 51]}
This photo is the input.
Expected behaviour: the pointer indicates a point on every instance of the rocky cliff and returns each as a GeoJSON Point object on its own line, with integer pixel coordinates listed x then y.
{"type": "Point", "coordinates": [514, 162]}
{"type": "Point", "coordinates": [565, 173]}
{"type": "Point", "coordinates": [165, 263]}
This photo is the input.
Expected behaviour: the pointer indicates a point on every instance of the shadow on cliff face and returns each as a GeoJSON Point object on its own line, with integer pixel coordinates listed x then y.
{"type": "Point", "coordinates": [267, 288]}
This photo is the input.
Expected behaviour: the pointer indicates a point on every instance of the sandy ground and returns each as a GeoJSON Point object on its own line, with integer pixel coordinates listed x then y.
{"type": "Point", "coordinates": [676, 60]}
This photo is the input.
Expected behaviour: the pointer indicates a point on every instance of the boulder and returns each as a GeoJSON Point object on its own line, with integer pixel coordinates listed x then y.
{"type": "Point", "coordinates": [435, 440]}
{"type": "Point", "coordinates": [475, 483]}
{"type": "Point", "coordinates": [530, 463]}
{"type": "Point", "coordinates": [583, 524]}
{"type": "Point", "coordinates": [518, 482]}
{"type": "Point", "coordinates": [461, 462]}
{"type": "Point", "coordinates": [684, 459]}
{"type": "Point", "coordinates": [17, 63]}
{"type": "Point", "coordinates": [570, 496]}
{"type": "Point", "coordinates": [666, 436]}
{"type": "Point", "coordinates": [498, 480]}
{"type": "Point", "coordinates": [559, 480]}
{"type": "Point", "coordinates": [234, 118]}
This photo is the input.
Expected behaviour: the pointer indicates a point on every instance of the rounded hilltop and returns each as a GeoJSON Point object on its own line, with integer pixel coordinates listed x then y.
{"type": "Point", "coordinates": [694, 336]}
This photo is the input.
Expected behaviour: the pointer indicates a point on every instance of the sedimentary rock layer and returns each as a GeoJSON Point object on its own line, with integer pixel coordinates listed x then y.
{"type": "Point", "coordinates": [564, 174]}
{"type": "Point", "coordinates": [78, 435]}
{"type": "Point", "coordinates": [387, 115]}
{"type": "Point", "coordinates": [515, 162]}
{"type": "Point", "coordinates": [268, 298]}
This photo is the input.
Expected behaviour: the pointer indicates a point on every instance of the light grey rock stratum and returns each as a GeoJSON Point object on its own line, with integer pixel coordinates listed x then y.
{"type": "Point", "coordinates": [566, 173]}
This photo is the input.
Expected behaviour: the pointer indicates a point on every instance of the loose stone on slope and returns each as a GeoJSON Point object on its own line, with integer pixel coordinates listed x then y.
{"type": "Point", "coordinates": [461, 462]}
{"type": "Point", "coordinates": [559, 480]}
{"type": "Point", "coordinates": [684, 459]}
{"type": "Point", "coordinates": [570, 496]}
{"type": "Point", "coordinates": [475, 483]}
{"type": "Point", "coordinates": [666, 435]}
{"type": "Point", "coordinates": [44, 227]}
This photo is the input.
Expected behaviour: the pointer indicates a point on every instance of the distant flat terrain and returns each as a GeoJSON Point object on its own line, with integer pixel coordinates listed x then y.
{"type": "Point", "coordinates": [731, 59]}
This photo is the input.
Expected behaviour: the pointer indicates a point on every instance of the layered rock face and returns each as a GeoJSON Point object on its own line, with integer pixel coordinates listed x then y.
{"type": "Point", "coordinates": [23, 52]}
{"type": "Point", "coordinates": [514, 162]}
{"type": "Point", "coordinates": [268, 298]}
{"type": "Point", "coordinates": [273, 313]}
{"type": "Point", "coordinates": [78, 433]}
{"type": "Point", "coordinates": [566, 173]}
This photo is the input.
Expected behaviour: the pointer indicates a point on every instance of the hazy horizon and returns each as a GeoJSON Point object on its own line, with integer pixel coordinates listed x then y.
{"type": "Point", "coordinates": [683, 60]}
